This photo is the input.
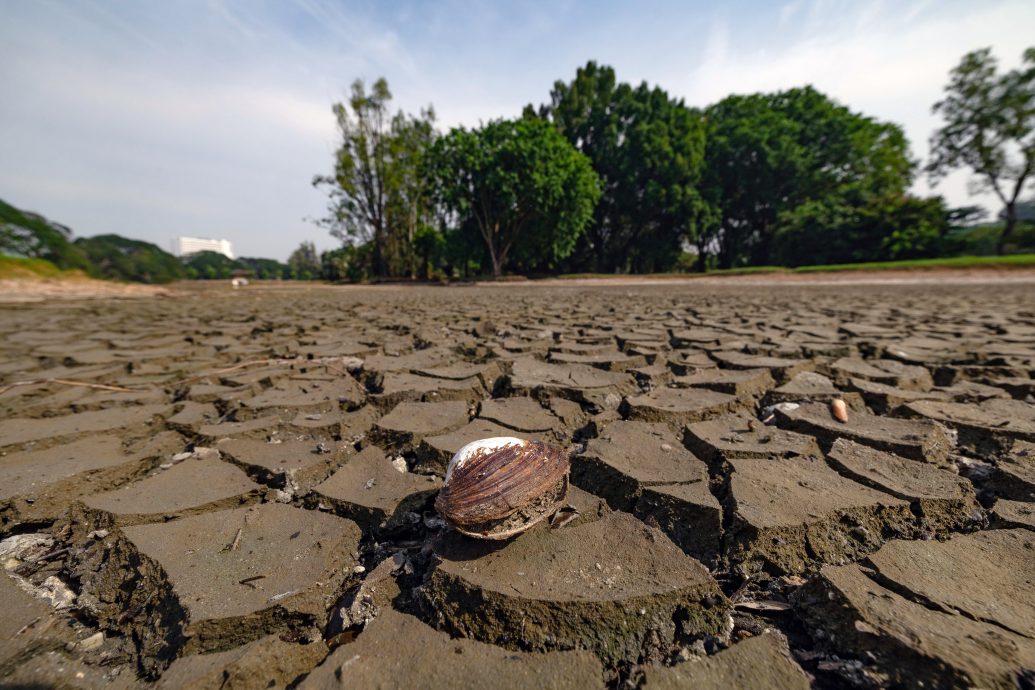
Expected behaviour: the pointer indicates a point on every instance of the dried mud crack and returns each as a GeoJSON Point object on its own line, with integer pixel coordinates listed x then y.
{"type": "Point", "coordinates": [236, 490]}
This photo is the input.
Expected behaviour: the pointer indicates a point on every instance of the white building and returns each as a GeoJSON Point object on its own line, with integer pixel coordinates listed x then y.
{"type": "Point", "coordinates": [182, 246]}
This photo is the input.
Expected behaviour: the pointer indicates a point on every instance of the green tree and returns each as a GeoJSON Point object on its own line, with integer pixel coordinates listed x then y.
{"type": "Point", "coordinates": [210, 265]}
{"type": "Point", "coordinates": [334, 264]}
{"type": "Point", "coordinates": [915, 228]}
{"type": "Point", "coordinates": [648, 150]}
{"type": "Point", "coordinates": [29, 234]}
{"type": "Point", "coordinates": [409, 207]}
{"type": "Point", "coordinates": [989, 128]}
{"type": "Point", "coordinates": [265, 269]}
{"type": "Point", "coordinates": [429, 244]}
{"type": "Point", "coordinates": [376, 192]}
{"type": "Point", "coordinates": [768, 155]}
{"type": "Point", "coordinates": [831, 231]}
{"type": "Point", "coordinates": [304, 262]}
{"type": "Point", "coordinates": [349, 263]}
{"type": "Point", "coordinates": [119, 258]}
{"type": "Point", "coordinates": [517, 182]}
{"type": "Point", "coordinates": [464, 248]}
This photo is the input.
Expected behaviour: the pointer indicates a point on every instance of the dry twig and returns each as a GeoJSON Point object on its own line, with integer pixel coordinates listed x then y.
{"type": "Point", "coordinates": [236, 367]}
{"type": "Point", "coordinates": [28, 625]}
{"type": "Point", "coordinates": [232, 546]}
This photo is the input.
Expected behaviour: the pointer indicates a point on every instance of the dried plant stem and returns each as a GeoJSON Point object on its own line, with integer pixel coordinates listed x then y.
{"type": "Point", "coordinates": [233, 546]}
{"type": "Point", "coordinates": [236, 367]}
{"type": "Point", "coordinates": [28, 625]}
{"type": "Point", "coordinates": [336, 370]}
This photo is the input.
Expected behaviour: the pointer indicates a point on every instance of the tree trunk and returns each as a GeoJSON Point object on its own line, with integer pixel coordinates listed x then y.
{"type": "Point", "coordinates": [761, 247]}
{"type": "Point", "coordinates": [725, 255]}
{"type": "Point", "coordinates": [702, 259]}
{"type": "Point", "coordinates": [380, 269]}
{"type": "Point", "coordinates": [1011, 221]}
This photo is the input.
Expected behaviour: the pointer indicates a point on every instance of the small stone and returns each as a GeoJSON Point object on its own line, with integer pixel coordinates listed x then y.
{"type": "Point", "coordinates": [864, 627]}
{"type": "Point", "coordinates": [57, 593]}
{"type": "Point", "coordinates": [768, 414]}
{"type": "Point", "coordinates": [91, 643]}
{"type": "Point", "coordinates": [433, 522]}
{"type": "Point", "coordinates": [359, 569]}
{"type": "Point", "coordinates": [23, 547]}
{"type": "Point", "coordinates": [202, 453]}
{"type": "Point", "coordinates": [352, 364]}
{"type": "Point", "coordinates": [839, 410]}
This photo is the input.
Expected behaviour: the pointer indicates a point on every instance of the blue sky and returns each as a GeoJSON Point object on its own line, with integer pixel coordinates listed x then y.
{"type": "Point", "coordinates": [209, 118]}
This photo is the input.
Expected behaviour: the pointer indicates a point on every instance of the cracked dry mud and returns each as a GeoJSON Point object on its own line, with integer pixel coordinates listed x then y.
{"type": "Point", "coordinates": [216, 489]}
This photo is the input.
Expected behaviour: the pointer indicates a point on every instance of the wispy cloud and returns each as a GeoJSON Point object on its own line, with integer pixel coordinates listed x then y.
{"type": "Point", "coordinates": [788, 12]}
{"type": "Point", "coordinates": [886, 60]}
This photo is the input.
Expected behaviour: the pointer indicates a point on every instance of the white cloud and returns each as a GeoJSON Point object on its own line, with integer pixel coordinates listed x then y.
{"type": "Point", "coordinates": [789, 11]}
{"type": "Point", "coordinates": [890, 62]}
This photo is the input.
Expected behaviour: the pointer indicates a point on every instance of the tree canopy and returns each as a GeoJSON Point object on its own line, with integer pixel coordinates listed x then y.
{"type": "Point", "coordinates": [648, 150]}
{"type": "Point", "coordinates": [376, 191]}
{"type": "Point", "coordinates": [113, 257]}
{"type": "Point", "coordinates": [23, 233]}
{"type": "Point", "coordinates": [304, 262]}
{"type": "Point", "coordinates": [514, 180]}
{"type": "Point", "coordinates": [215, 266]}
{"type": "Point", "coordinates": [119, 258]}
{"type": "Point", "coordinates": [790, 177]}
{"type": "Point", "coordinates": [990, 128]}
{"type": "Point", "coordinates": [775, 163]}
{"type": "Point", "coordinates": [607, 176]}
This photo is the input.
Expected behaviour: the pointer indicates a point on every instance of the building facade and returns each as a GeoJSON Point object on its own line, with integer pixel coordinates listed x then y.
{"type": "Point", "coordinates": [182, 246]}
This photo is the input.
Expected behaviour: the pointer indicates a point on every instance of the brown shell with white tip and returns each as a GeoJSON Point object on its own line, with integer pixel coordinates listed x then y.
{"type": "Point", "coordinates": [498, 493]}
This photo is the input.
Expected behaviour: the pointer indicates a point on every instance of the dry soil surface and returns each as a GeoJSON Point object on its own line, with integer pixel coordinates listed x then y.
{"type": "Point", "coordinates": [39, 290]}
{"type": "Point", "coordinates": [213, 488]}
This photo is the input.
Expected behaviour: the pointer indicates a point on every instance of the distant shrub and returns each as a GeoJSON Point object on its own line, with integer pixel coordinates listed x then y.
{"type": "Point", "coordinates": [119, 258]}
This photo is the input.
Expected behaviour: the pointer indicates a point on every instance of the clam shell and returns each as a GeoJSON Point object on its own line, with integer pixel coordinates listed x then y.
{"type": "Point", "coordinates": [493, 479]}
